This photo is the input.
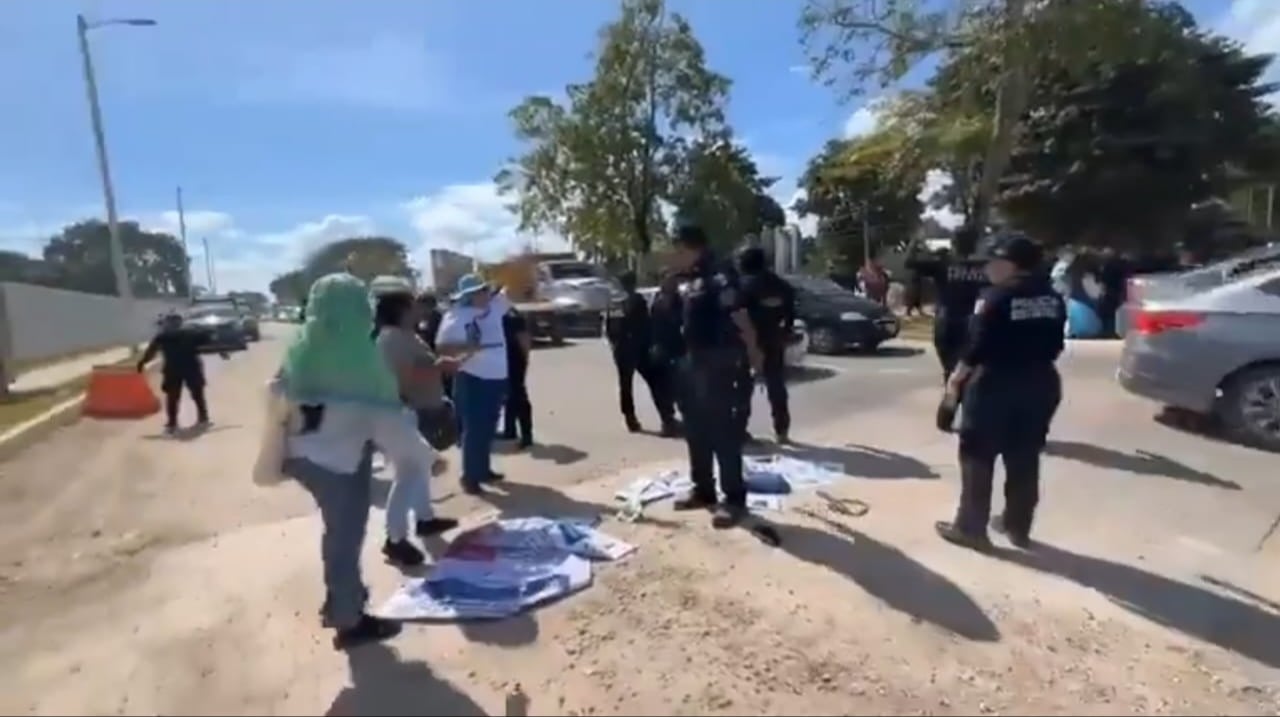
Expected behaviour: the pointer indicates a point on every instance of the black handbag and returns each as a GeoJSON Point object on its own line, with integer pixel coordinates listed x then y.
{"type": "Point", "coordinates": [439, 425]}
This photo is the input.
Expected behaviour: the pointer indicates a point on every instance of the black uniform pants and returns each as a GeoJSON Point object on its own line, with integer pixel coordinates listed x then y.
{"type": "Point", "coordinates": [775, 383]}
{"type": "Point", "coordinates": [1006, 416]}
{"type": "Point", "coordinates": [629, 363]}
{"type": "Point", "coordinates": [517, 412]}
{"type": "Point", "coordinates": [949, 338]}
{"type": "Point", "coordinates": [708, 381]}
{"type": "Point", "coordinates": [172, 385]}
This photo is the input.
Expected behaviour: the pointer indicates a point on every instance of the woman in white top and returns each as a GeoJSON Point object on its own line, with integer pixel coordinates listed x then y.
{"type": "Point", "coordinates": [472, 329]}
{"type": "Point", "coordinates": [344, 398]}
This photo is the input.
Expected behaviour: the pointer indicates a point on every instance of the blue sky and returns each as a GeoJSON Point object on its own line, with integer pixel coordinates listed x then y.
{"type": "Point", "coordinates": [290, 122]}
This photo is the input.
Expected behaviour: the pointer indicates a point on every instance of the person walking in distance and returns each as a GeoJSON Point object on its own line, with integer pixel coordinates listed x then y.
{"type": "Point", "coordinates": [517, 414]}
{"type": "Point", "coordinates": [717, 329]}
{"type": "Point", "coordinates": [180, 347]}
{"type": "Point", "coordinates": [630, 337]}
{"type": "Point", "coordinates": [771, 303]}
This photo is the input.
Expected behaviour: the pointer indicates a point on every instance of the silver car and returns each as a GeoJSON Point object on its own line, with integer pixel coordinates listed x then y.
{"type": "Point", "coordinates": [1214, 352]}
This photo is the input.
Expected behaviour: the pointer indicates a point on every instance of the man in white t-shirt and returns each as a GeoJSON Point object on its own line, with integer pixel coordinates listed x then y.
{"type": "Point", "coordinates": [474, 323]}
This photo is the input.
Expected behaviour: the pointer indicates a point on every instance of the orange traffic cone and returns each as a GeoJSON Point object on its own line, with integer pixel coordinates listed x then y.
{"type": "Point", "coordinates": [119, 392]}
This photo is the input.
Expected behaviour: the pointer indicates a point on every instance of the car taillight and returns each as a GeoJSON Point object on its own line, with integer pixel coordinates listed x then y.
{"type": "Point", "coordinates": [1150, 323]}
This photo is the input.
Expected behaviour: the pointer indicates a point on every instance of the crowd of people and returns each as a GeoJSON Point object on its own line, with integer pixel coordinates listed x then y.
{"type": "Point", "coordinates": [429, 378]}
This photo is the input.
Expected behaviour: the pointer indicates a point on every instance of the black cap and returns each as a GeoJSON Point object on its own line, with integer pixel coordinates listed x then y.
{"type": "Point", "coordinates": [1019, 249]}
{"type": "Point", "coordinates": [751, 259]}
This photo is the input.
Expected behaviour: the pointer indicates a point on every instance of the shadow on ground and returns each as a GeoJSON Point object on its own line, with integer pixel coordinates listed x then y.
{"type": "Point", "coordinates": [1202, 614]}
{"type": "Point", "coordinates": [384, 684]}
{"type": "Point", "coordinates": [191, 433]}
{"type": "Point", "coordinates": [859, 461]}
{"type": "Point", "coordinates": [543, 345]}
{"type": "Point", "coordinates": [1140, 462]}
{"type": "Point", "coordinates": [808, 374]}
{"type": "Point", "coordinates": [892, 351]}
{"type": "Point", "coordinates": [891, 576]}
{"type": "Point", "coordinates": [557, 453]}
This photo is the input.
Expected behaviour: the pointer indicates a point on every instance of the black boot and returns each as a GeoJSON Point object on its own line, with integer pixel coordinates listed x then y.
{"type": "Point", "coordinates": [403, 554]}
{"type": "Point", "coordinates": [369, 629]}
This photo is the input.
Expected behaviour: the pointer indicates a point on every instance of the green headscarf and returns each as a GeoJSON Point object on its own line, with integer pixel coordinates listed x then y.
{"type": "Point", "coordinates": [332, 359]}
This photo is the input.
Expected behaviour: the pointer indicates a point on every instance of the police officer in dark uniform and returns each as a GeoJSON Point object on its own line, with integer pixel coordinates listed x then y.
{"type": "Point", "coordinates": [1010, 391]}
{"type": "Point", "coordinates": [631, 338]}
{"type": "Point", "coordinates": [957, 279]}
{"type": "Point", "coordinates": [771, 304]}
{"type": "Point", "coordinates": [180, 347]}
{"type": "Point", "coordinates": [666, 316]}
{"type": "Point", "coordinates": [717, 332]}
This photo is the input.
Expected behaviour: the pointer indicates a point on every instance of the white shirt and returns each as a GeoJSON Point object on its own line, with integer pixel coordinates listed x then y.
{"type": "Point", "coordinates": [468, 325]}
{"type": "Point", "coordinates": [338, 444]}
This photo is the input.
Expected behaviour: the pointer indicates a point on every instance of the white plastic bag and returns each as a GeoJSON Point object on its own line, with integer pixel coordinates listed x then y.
{"type": "Point", "coordinates": [268, 469]}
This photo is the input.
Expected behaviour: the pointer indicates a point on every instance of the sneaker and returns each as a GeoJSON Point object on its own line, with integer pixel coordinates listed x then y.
{"type": "Point", "coordinates": [369, 629]}
{"type": "Point", "coordinates": [950, 533]}
{"type": "Point", "coordinates": [403, 554]}
{"type": "Point", "coordinates": [634, 426]}
{"type": "Point", "coordinates": [494, 477]}
{"type": "Point", "coordinates": [695, 502]}
{"type": "Point", "coordinates": [525, 443]}
{"type": "Point", "coordinates": [435, 526]}
{"type": "Point", "coordinates": [727, 516]}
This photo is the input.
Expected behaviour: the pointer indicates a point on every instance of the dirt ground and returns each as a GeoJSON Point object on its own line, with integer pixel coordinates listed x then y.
{"type": "Point", "coordinates": [204, 602]}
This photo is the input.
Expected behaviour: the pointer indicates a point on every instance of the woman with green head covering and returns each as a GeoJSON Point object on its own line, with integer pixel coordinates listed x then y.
{"type": "Point", "coordinates": [346, 400]}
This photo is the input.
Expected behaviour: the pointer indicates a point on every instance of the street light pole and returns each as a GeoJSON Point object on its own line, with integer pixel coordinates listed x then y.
{"type": "Point", "coordinates": [104, 169]}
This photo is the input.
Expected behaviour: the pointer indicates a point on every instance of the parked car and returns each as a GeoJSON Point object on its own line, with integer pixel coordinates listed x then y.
{"type": "Point", "coordinates": [836, 319]}
{"type": "Point", "coordinates": [249, 325]}
{"type": "Point", "coordinates": [224, 326]}
{"type": "Point", "coordinates": [1215, 352]}
{"type": "Point", "coordinates": [1173, 284]}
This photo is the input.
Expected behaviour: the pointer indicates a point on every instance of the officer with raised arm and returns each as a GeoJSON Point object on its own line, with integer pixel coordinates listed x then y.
{"type": "Point", "coordinates": [1008, 390]}
{"type": "Point", "coordinates": [717, 329]}
{"type": "Point", "coordinates": [958, 279]}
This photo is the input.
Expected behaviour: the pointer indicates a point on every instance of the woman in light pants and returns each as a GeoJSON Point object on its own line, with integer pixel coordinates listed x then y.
{"type": "Point", "coordinates": [344, 399]}
{"type": "Point", "coordinates": [419, 374]}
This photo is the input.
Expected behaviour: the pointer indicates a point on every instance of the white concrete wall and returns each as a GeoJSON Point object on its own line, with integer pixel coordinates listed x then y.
{"type": "Point", "coordinates": [38, 322]}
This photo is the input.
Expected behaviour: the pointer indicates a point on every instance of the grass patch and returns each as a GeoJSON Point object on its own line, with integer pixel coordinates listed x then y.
{"type": "Point", "coordinates": [21, 406]}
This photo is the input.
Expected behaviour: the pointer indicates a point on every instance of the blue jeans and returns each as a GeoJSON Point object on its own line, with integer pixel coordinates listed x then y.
{"type": "Point", "coordinates": [344, 501]}
{"type": "Point", "coordinates": [479, 402]}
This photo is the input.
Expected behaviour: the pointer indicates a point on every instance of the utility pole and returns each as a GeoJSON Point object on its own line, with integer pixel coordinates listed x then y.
{"type": "Point", "coordinates": [182, 234]}
{"type": "Point", "coordinates": [208, 267]}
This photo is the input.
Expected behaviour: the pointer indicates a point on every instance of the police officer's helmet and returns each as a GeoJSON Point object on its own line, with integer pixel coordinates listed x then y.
{"type": "Point", "coordinates": [1017, 248]}
{"type": "Point", "coordinates": [751, 259]}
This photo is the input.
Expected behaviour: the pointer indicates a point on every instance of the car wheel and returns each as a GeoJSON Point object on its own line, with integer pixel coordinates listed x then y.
{"type": "Point", "coordinates": [1250, 407]}
{"type": "Point", "coordinates": [823, 341]}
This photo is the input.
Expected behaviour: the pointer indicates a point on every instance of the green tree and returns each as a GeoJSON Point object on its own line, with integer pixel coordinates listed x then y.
{"type": "Point", "coordinates": [599, 164]}
{"type": "Point", "coordinates": [365, 257]}
{"type": "Point", "coordinates": [290, 287]}
{"type": "Point", "coordinates": [858, 44]}
{"type": "Point", "coordinates": [853, 187]}
{"type": "Point", "coordinates": [1115, 154]}
{"type": "Point", "coordinates": [720, 187]}
{"type": "Point", "coordinates": [81, 258]}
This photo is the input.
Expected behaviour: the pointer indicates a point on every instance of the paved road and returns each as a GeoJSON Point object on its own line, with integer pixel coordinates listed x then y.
{"type": "Point", "coordinates": [84, 514]}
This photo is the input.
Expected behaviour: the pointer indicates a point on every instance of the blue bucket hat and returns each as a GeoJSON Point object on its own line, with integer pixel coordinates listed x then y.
{"type": "Point", "coordinates": [468, 285]}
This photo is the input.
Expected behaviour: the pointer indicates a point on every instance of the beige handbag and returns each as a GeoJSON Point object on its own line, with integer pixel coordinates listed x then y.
{"type": "Point", "coordinates": [268, 469]}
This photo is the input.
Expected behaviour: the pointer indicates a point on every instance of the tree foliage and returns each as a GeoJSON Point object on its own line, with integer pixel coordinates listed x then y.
{"type": "Point", "coordinates": [364, 257]}
{"type": "Point", "coordinates": [859, 44]}
{"type": "Point", "coordinates": [79, 258]}
{"type": "Point", "coordinates": [856, 186]}
{"type": "Point", "coordinates": [720, 187]}
{"type": "Point", "coordinates": [290, 287]}
{"type": "Point", "coordinates": [599, 163]}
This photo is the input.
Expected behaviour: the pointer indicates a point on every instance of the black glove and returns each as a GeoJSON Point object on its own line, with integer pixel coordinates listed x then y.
{"type": "Point", "coordinates": [946, 416]}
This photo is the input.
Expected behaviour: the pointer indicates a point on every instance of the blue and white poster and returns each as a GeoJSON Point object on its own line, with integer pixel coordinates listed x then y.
{"type": "Point", "coordinates": [505, 567]}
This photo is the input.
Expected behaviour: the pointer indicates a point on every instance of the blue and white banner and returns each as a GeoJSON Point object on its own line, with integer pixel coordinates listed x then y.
{"type": "Point", "coordinates": [505, 567]}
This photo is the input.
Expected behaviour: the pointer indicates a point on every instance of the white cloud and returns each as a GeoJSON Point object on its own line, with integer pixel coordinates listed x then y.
{"type": "Point", "coordinates": [935, 180]}
{"type": "Point", "coordinates": [472, 218]}
{"type": "Point", "coordinates": [1255, 23]}
{"type": "Point", "coordinates": [803, 69]}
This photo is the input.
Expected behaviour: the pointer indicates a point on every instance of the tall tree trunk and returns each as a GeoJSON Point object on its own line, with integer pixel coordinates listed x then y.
{"type": "Point", "coordinates": [1012, 97]}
